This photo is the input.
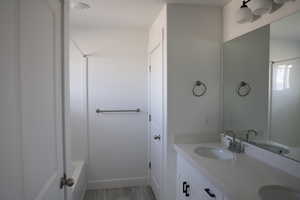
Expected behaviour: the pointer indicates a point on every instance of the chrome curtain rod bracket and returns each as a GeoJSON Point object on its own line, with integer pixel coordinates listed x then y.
{"type": "Point", "coordinates": [117, 111]}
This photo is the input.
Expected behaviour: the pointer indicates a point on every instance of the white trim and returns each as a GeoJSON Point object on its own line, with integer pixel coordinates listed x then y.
{"type": "Point", "coordinates": [80, 178]}
{"type": "Point", "coordinates": [19, 93]}
{"type": "Point", "coordinates": [65, 45]}
{"type": "Point", "coordinates": [148, 122]}
{"type": "Point", "coordinates": [87, 77]}
{"type": "Point", "coordinates": [270, 82]}
{"type": "Point", "coordinates": [117, 183]}
{"type": "Point", "coordinates": [165, 137]}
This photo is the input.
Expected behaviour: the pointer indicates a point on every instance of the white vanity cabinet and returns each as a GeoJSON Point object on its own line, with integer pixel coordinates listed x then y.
{"type": "Point", "coordinates": [191, 185]}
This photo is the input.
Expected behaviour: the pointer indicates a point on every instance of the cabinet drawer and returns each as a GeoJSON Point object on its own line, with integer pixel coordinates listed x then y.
{"type": "Point", "coordinates": [201, 194]}
{"type": "Point", "coordinates": [183, 181]}
{"type": "Point", "coordinates": [183, 187]}
{"type": "Point", "coordinates": [205, 189]}
{"type": "Point", "coordinates": [200, 187]}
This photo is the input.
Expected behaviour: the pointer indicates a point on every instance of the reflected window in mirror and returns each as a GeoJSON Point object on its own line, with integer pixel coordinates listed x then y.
{"type": "Point", "coordinates": [281, 77]}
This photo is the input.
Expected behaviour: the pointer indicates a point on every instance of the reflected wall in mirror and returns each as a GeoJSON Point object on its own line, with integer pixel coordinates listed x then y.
{"type": "Point", "coordinates": [285, 92]}
{"type": "Point", "coordinates": [268, 59]}
{"type": "Point", "coordinates": [246, 60]}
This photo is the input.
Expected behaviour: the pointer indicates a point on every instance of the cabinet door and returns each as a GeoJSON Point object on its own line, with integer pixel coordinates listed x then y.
{"type": "Point", "coordinates": [183, 187]}
{"type": "Point", "coordinates": [197, 186]}
{"type": "Point", "coordinates": [203, 189]}
{"type": "Point", "coordinates": [198, 195]}
{"type": "Point", "coordinates": [183, 180]}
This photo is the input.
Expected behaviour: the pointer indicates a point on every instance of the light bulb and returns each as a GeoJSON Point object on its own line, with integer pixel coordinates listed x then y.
{"type": "Point", "coordinates": [243, 15]}
{"type": "Point", "coordinates": [260, 7]}
{"type": "Point", "coordinates": [80, 5]}
{"type": "Point", "coordinates": [280, 1]}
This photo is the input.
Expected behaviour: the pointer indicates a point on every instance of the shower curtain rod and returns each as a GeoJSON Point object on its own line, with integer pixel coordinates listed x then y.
{"type": "Point", "coordinates": [284, 60]}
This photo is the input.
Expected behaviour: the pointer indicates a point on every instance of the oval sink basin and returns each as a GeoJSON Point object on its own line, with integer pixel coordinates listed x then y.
{"type": "Point", "coordinates": [214, 153]}
{"type": "Point", "coordinates": [277, 192]}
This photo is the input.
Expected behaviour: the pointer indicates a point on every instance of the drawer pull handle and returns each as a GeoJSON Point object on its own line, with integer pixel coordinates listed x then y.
{"type": "Point", "coordinates": [187, 194]}
{"type": "Point", "coordinates": [186, 189]}
{"type": "Point", "coordinates": [212, 195]}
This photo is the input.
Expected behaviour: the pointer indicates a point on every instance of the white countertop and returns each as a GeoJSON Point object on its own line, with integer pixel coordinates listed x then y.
{"type": "Point", "coordinates": [238, 179]}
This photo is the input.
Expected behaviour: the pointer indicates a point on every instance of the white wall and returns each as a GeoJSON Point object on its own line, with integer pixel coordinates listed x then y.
{"type": "Point", "coordinates": [246, 58]}
{"type": "Point", "coordinates": [78, 107]}
{"type": "Point", "coordinates": [232, 29]}
{"type": "Point", "coordinates": [117, 80]}
{"type": "Point", "coordinates": [194, 39]}
{"type": "Point", "coordinates": [281, 49]}
{"type": "Point", "coordinates": [11, 179]}
{"type": "Point", "coordinates": [194, 53]}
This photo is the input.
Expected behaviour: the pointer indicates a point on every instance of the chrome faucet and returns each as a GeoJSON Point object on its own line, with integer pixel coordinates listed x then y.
{"type": "Point", "coordinates": [234, 146]}
{"type": "Point", "coordinates": [251, 131]}
{"type": "Point", "coordinates": [229, 132]}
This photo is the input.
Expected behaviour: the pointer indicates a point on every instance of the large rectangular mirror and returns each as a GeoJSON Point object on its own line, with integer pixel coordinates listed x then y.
{"type": "Point", "coordinates": [261, 79]}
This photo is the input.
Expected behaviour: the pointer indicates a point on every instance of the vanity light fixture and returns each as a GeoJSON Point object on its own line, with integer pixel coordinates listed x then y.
{"type": "Point", "coordinates": [280, 1]}
{"type": "Point", "coordinates": [244, 14]}
{"type": "Point", "coordinates": [78, 5]}
{"type": "Point", "coordinates": [256, 8]}
{"type": "Point", "coordinates": [261, 7]}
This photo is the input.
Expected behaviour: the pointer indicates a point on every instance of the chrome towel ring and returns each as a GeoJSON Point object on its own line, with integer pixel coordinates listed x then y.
{"type": "Point", "coordinates": [243, 89]}
{"type": "Point", "coordinates": [199, 89]}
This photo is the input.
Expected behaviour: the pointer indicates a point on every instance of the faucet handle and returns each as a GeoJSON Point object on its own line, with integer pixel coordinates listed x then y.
{"type": "Point", "coordinates": [229, 132]}
{"type": "Point", "coordinates": [230, 140]}
{"type": "Point", "coordinates": [241, 147]}
{"type": "Point", "coordinates": [255, 132]}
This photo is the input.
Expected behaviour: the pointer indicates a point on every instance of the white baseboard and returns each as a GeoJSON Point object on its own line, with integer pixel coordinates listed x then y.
{"type": "Point", "coordinates": [117, 183]}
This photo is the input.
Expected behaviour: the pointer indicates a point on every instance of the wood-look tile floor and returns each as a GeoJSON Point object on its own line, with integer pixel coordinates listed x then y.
{"type": "Point", "coordinates": [130, 193]}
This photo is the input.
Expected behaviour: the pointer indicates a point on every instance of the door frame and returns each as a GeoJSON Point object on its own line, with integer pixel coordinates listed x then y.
{"type": "Point", "coordinates": [68, 166]}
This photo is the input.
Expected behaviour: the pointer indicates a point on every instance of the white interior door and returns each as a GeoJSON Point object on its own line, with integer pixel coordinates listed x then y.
{"type": "Point", "coordinates": [41, 98]}
{"type": "Point", "coordinates": [156, 123]}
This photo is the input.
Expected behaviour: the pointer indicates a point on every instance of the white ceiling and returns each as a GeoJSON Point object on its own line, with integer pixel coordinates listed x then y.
{"type": "Point", "coordinates": [125, 13]}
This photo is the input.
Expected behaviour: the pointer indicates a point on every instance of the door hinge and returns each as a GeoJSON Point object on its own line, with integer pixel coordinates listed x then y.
{"type": "Point", "coordinates": [149, 165]}
{"type": "Point", "coordinates": [64, 181]}
{"type": "Point", "coordinates": [150, 118]}
{"type": "Point", "coordinates": [149, 68]}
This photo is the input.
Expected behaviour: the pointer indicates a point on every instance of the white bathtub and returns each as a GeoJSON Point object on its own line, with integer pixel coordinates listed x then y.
{"type": "Point", "coordinates": [80, 179]}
